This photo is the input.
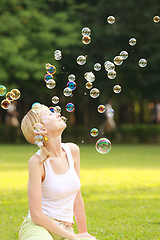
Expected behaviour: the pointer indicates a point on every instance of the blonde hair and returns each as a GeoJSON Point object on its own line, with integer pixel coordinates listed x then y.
{"type": "Point", "coordinates": [27, 124]}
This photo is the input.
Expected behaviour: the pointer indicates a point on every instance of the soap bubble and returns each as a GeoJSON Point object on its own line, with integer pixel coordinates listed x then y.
{"type": "Point", "coordinates": [5, 104]}
{"type": "Point", "coordinates": [35, 107]}
{"type": "Point", "coordinates": [57, 55]}
{"type": "Point", "coordinates": [2, 90]}
{"type": "Point", "coordinates": [50, 84]}
{"type": "Point", "coordinates": [123, 55]}
{"type": "Point", "coordinates": [132, 41]}
{"type": "Point", "coordinates": [142, 62]}
{"type": "Point", "coordinates": [110, 112]}
{"type": "Point", "coordinates": [71, 77]}
{"type": "Point", "coordinates": [111, 74]}
{"type": "Point", "coordinates": [71, 85]}
{"type": "Point", "coordinates": [10, 96]}
{"type": "Point", "coordinates": [51, 70]}
{"type": "Point", "coordinates": [38, 139]}
{"type": "Point", "coordinates": [97, 66]}
{"type": "Point", "coordinates": [94, 93]}
{"type": "Point", "coordinates": [55, 100]}
{"type": "Point", "coordinates": [70, 107]}
{"type": "Point", "coordinates": [16, 93]}
{"type": "Point", "coordinates": [86, 31]}
{"type": "Point", "coordinates": [111, 19]}
{"type": "Point", "coordinates": [89, 76]}
{"type": "Point", "coordinates": [47, 65]}
{"type": "Point", "coordinates": [117, 89]}
{"type": "Point", "coordinates": [52, 109]}
{"type": "Point", "coordinates": [118, 60]}
{"type": "Point", "coordinates": [81, 60]}
{"type": "Point", "coordinates": [57, 109]}
{"type": "Point", "coordinates": [94, 132]}
{"type": "Point", "coordinates": [67, 92]}
{"type": "Point", "coordinates": [86, 40]}
{"type": "Point", "coordinates": [38, 128]}
{"type": "Point", "coordinates": [88, 85]}
{"type": "Point", "coordinates": [109, 66]}
{"type": "Point", "coordinates": [103, 145]}
{"type": "Point", "coordinates": [101, 108]}
{"type": "Point", "coordinates": [156, 19]}
{"type": "Point", "coordinates": [48, 77]}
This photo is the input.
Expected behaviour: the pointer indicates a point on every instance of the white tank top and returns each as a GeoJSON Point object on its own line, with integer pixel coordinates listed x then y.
{"type": "Point", "coordinates": [59, 191]}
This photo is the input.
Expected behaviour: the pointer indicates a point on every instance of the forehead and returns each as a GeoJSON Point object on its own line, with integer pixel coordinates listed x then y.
{"type": "Point", "coordinates": [43, 110]}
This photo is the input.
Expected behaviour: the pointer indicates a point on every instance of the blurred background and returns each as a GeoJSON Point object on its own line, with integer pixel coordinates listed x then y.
{"type": "Point", "coordinates": [30, 31]}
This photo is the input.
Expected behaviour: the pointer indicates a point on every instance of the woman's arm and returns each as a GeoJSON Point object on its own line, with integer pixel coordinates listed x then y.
{"type": "Point", "coordinates": [34, 198]}
{"type": "Point", "coordinates": [79, 208]}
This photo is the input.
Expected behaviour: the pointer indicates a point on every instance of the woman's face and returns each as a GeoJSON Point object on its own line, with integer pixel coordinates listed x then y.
{"type": "Point", "coordinates": [52, 122]}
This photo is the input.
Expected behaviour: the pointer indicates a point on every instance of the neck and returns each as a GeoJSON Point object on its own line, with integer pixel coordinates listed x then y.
{"type": "Point", "coordinates": [53, 145]}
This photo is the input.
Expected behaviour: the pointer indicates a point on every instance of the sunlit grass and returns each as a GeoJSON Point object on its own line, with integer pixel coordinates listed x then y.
{"type": "Point", "coordinates": [121, 191]}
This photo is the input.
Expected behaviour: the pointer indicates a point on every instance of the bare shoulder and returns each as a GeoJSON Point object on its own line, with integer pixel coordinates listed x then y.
{"type": "Point", "coordinates": [74, 148]}
{"type": "Point", "coordinates": [34, 162]}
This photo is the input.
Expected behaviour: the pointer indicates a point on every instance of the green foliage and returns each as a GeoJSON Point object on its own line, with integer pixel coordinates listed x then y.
{"type": "Point", "coordinates": [120, 191]}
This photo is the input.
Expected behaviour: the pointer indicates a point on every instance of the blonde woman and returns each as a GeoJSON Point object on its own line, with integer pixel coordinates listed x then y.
{"type": "Point", "coordinates": [54, 193]}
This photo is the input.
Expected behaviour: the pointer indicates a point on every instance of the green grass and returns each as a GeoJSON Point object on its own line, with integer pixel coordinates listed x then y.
{"type": "Point", "coordinates": [121, 191]}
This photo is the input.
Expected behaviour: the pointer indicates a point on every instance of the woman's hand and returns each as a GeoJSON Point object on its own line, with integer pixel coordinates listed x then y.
{"type": "Point", "coordinates": [85, 235]}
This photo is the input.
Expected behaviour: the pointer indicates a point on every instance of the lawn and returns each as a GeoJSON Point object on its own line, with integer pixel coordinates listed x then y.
{"type": "Point", "coordinates": [121, 191]}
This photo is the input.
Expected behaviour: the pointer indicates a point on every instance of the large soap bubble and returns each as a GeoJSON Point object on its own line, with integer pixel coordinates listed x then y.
{"type": "Point", "coordinates": [81, 60]}
{"type": "Point", "coordinates": [103, 145]}
{"type": "Point", "coordinates": [94, 93]}
{"type": "Point", "coordinates": [94, 132]}
{"type": "Point", "coordinates": [111, 19]}
{"type": "Point", "coordinates": [86, 31]}
{"type": "Point", "coordinates": [3, 90]}
{"type": "Point", "coordinates": [142, 62]}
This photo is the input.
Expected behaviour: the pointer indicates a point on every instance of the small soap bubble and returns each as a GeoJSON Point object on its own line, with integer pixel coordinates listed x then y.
{"type": "Point", "coordinates": [38, 128]}
{"type": "Point", "coordinates": [81, 60]}
{"type": "Point", "coordinates": [38, 139]}
{"type": "Point", "coordinates": [97, 67]}
{"type": "Point", "coordinates": [111, 74]}
{"type": "Point", "coordinates": [142, 62]}
{"type": "Point", "coordinates": [67, 92]}
{"type": "Point", "coordinates": [47, 65]}
{"type": "Point", "coordinates": [51, 70]}
{"type": "Point", "coordinates": [101, 108]}
{"type": "Point", "coordinates": [50, 84]}
{"type": "Point", "coordinates": [118, 60]}
{"type": "Point", "coordinates": [35, 107]}
{"type": "Point", "coordinates": [52, 109]}
{"type": "Point", "coordinates": [55, 100]}
{"type": "Point", "coordinates": [10, 96]}
{"type": "Point", "coordinates": [71, 85]}
{"type": "Point", "coordinates": [103, 145]}
{"type": "Point", "coordinates": [71, 77]}
{"type": "Point", "coordinates": [132, 41]}
{"type": "Point", "coordinates": [117, 89]}
{"type": "Point", "coordinates": [94, 132]}
{"type": "Point", "coordinates": [3, 90]}
{"type": "Point", "coordinates": [156, 19]}
{"type": "Point", "coordinates": [110, 112]}
{"type": "Point", "coordinates": [86, 31]}
{"type": "Point", "coordinates": [123, 55]}
{"type": "Point", "coordinates": [111, 19]}
{"type": "Point", "coordinates": [57, 55]}
{"type": "Point", "coordinates": [94, 92]}
{"type": "Point", "coordinates": [16, 93]}
{"type": "Point", "coordinates": [48, 77]}
{"type": "Point", "coordinates": [109, 66]}
{"type": "Point", "coordinates": [70, 107]}
{"type": "Point", "coordinates": [86, 40]}
{"type": "Point", "coordinates": [89, 76]}
{"type": "Point", "coordinates": [88, 85]}
{"type": "Point", "coordinates": [5, 104]}
{"type": "Point", "coordinates": [57, 109]}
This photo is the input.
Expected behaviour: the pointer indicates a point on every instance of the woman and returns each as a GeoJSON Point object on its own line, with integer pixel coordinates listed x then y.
{"type": "Point", "coordinates": [54, 182]}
